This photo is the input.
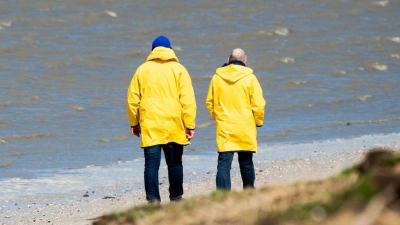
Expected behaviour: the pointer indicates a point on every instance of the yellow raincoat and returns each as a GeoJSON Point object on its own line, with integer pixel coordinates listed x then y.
{"type": "Point", "coordinates": [236, 103]}
{"type": "Point", "coordinates": [161, 99]}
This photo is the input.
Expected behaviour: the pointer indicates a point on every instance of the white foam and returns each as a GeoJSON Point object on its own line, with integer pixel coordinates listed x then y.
{"type": "Point", "coordinates": [381, 3]}
{"type": "Point", "coordinates": [111, 13]}
{"type": "Point", "coordinates": [6, 24]}
{"type": "Point", "coordinates": [379, 66]}
{"type": "Point", "coordinates": [281, 31]}
{"type": "Point", "coordinates": [394, 39]}
{"type": "Point", "coordinates": [177, 48]}
{"type": "Point", "coordinates": [287, 60]}
{"type": "Point", "coordinates": [397, 56]}
{"type": "Point", "coordinates": [364, 97]}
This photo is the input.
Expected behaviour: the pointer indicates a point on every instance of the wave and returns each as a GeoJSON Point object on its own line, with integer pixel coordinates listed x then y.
{"type": "Point", "coordinates": [396, 56]}
{"type": "Point", "coordinates": [134, 54]}
{"type": "Point", "coordinates": [6, 164]}
{"type": "Point", "coordinates": [3, 124]}
{"type": "Point", "coordinates": [6, 50]}
{"type": "Point", "coordinates": [381, 3]}
{"type": "Point", "coordinates": [202, 77]}
{"type": "Point", "coordinates": [206, 124]}
{"type": "Point", "coordinates": [6, 104]}
{"type": "Point", "coordinates": [281, 31]}
{"type": "Point", "coordinates": [338, 73]}
{"type": "Point", "coordinates": [95, 58]}
{"type": "Point", "coordinates": [287, 60]}
{"type": "Point", "coordinates": [378, 66]}
{"type": "Point", "coordinates": [295, 83]}
{"type": "Point", "coordinates": [394, 39]}
{"type": "Point", "coordinates": [4, 25]}
{"type": "Point", "coordinates": [31, 136]}
{"type": "Point", "coordinates": [119, 138]}
{"type": "Point", "coordinates": [111, 13]}
{"type": "Point", "coordinates": [361, 98]}
{"type": "Point", "coordinates": [78, 108]}
{"type": "Point", "coordinates": [281, 133]}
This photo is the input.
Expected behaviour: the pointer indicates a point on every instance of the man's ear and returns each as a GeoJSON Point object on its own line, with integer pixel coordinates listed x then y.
{"type": "Point", "coordinates": [245, 62]}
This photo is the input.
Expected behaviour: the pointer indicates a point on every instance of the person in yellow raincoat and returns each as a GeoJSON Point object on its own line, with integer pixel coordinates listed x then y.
{"type": "Point", "coordinates": [236, 103]}
{"type": "Point", "coordinates": [161, 108]}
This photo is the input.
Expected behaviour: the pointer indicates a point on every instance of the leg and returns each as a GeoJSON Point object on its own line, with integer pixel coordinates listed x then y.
{"type": "Point", "coordinates": [152, 157]}
{"type": "Point", "coordinates": [173, 157]}
{"type": "Point", "coordinates": [247, 169]}
{"type": "Point", "coordinates": [223, 179]}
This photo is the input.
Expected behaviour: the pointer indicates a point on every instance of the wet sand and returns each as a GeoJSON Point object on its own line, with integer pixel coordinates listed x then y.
{"type": "Point", "coordinates": [313, 165]}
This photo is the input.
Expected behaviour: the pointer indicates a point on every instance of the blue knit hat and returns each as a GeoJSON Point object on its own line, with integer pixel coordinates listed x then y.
{"type": "Point", "coordinates": [161, 41]}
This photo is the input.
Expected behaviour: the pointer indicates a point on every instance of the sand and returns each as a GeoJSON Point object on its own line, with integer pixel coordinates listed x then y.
{"type": "Point", "coordinates": [313, 161]}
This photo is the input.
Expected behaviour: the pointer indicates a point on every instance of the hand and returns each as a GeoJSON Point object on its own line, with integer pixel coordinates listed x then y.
{"type": "Point", "coordinates": [189, 134]}
{"type": "Point", "coordinates": [136, 130]}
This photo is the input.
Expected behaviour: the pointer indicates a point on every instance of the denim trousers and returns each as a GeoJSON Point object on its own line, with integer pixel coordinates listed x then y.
{"type": "Point", "coordinates": [173, 157]}
{"type": "Point", "coordinates": [246, 165]}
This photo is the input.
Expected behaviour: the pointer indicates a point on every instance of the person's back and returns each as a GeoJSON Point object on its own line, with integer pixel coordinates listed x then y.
{"type": "Point", "coordinates": [162, 81]}
{"type": "Point", "coordinates": [233, 87]}
{"type": "Point", "coordinates": [236, 103]}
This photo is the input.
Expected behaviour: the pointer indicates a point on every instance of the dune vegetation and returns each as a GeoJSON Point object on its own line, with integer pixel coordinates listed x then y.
{"type": "Point", "coordinates": [368, 193]}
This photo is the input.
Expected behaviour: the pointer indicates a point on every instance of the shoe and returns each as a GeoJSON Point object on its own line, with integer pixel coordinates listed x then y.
{"type": "Point", "coordinates": [177, 199]}
{"type": "Point", "coordinates": [154, 202]}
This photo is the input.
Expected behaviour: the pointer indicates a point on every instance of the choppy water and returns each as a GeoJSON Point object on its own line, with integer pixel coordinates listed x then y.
{"type": "Point", "coordinates": [329, 70]}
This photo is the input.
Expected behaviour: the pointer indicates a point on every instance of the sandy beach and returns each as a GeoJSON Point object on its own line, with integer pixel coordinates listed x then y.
{"type": "Point", "coordinates": [321, 160]}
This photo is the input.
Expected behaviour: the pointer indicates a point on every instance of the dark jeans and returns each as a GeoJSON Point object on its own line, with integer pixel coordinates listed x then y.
{"type": "Point", "coordinates": [173, 157]}
{"type": "Point", "coordinates": [224, 169]}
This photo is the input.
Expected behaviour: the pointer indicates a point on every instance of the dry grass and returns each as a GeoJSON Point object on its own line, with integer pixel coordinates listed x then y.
{"type": "Point", "coordinates": [364, 194]}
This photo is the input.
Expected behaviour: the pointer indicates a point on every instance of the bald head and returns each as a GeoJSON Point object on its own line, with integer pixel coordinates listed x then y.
{"type": "Point", "coordinates": [238, 54]}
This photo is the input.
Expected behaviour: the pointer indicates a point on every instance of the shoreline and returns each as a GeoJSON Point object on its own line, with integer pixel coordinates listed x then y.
{"type": "Point", "coordinates": [313, 161]}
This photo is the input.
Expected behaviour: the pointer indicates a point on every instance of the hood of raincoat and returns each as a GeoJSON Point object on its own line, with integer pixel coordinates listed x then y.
{"type": "Point", "coordinates": [162, 53]}
{"type": "Point", "coordinates": [233, 73]}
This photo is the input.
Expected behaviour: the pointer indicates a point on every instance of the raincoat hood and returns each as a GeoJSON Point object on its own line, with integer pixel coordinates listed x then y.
{"type": "Point", "coordinates": [162, 53]}
{"type": "Point", "coordinates": [233, 73]}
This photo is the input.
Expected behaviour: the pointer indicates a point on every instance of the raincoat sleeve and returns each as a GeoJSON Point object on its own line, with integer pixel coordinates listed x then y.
{"type": "Point", "coordinates": [133, 101]}
{"type": "Point", "coordinates": [188, 101]}
{"type": "Point", "coordinates": [210, 100]}
{"type": "Point", "coordinates": [257, 103]}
